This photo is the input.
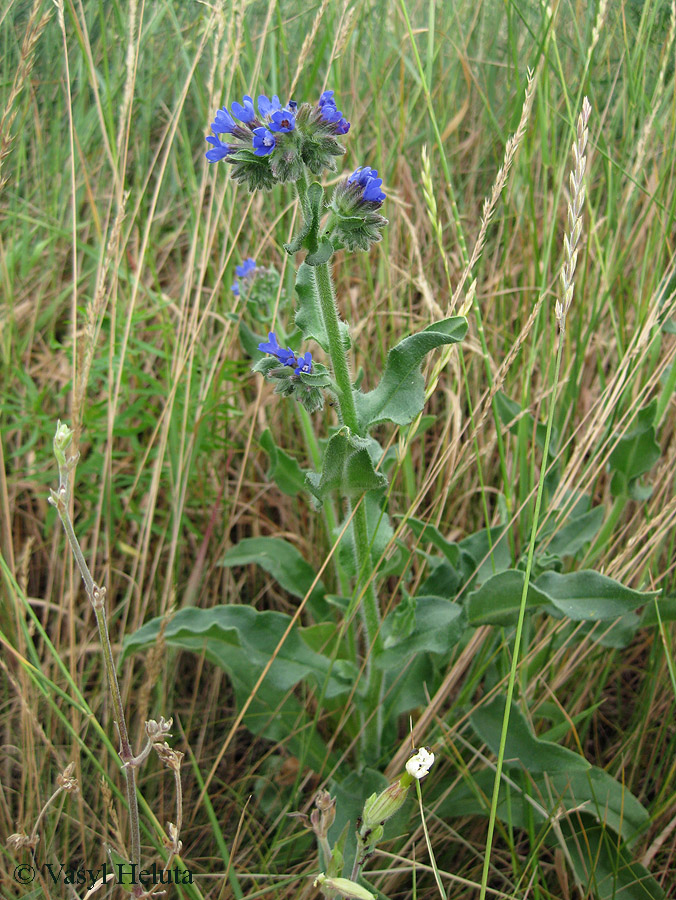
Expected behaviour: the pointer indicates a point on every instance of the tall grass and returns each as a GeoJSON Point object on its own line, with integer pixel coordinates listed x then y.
{"type": "Point", "coordinates": [117, 250]}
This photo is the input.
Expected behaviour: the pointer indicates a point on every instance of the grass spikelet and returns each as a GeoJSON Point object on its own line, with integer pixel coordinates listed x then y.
{"type": "Point", "coordinates": [572, 237]}
{"type": "Point", "coordinates": [34, 29]}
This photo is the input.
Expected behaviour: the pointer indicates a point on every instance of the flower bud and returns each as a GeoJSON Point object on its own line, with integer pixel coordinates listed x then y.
{"type": "Point", "coordinates": [343, 887]}
{"type": "Point", "coordinates": [381, 807]}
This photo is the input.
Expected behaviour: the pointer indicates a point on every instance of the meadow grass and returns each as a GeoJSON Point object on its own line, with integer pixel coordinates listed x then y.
{"type": "Point", "coordinates": [118, 244]}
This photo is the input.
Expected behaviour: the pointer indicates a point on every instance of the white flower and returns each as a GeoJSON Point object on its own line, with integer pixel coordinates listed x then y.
{"type": "Point", "coordinates": [420, 763]}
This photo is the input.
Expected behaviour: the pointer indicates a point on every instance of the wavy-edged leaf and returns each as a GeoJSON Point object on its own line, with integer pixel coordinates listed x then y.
{"type": "Point", "coordinates": [241, 641]}
{"type": "Point", "coordinates": [400, 394]}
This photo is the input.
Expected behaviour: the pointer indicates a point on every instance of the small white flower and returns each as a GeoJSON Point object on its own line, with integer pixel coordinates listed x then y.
{"type": "Point", "coordinates": [420, 763]}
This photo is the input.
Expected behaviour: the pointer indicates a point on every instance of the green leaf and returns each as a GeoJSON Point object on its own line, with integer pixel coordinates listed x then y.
{"type": "Point", "coordinates": [491, 556]}
{"type": "Point", "coordinates": [522, 746]}
{"type": "Point", "coordinates": [309, 317]}
{"type": "Point", "coordinates": [400, 394]}
{"type": "Point", "coordinates": [498, 600]}
{"type": "Point", "coordinates": [321, 255]}
{"type": "Point", "coordinates": [603, 865]}
{"type": "Point", "coordinates": [124, 875]}
{"type": "Point", "coordinates": [286, 565]}
{"type": "Point", "coordinates": [429, 534]}
{"type": "Point", "coordinates": [576, 533]}
{"type": "Point", "coordinates": [511, 414]}
{"type": "Point", "coordinates": [588, 595]}
{"type": "Point", "coordinates": [249, 341]}
{"type": "Point", "coordinates": [347, 468]}
{"type": "Point", "coordinates": [636, 452]}
{"type": "Point", "coordinates": [604, 798]}
{"type": "Point", "coordinates": [438, 627]}
{"type": "Point", "coordinates": [241, 641]}
{"type": "Point", "coordinates": [284, 470]}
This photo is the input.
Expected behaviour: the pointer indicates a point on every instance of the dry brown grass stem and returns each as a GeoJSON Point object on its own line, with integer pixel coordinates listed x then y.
{"type": "Point", "coordinates": [129, 82]}
{"type": "Point", "coordinates": [346, 19]}
{"type": "Point", "coordinates": [491, 202]}
{"type": "Point", "coordinates": [94, 312]}
{"type": "Point", "coordinates": [575, 204]}
{"type": "Point", "coordinates": [34, 28]}
{"type": "Point", "coordinates": [307, 45]}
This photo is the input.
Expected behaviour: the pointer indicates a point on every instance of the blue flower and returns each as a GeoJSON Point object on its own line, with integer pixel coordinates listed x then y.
{"type": "Point", "coordinates": [223, 123]}
{"type": "Point", "coordinates": [282, 120]}
{"type": "Point", "coordinates": [247, 268]}
{"type": "Point", "coordinates": [286, 357]}
{"type": "Point", "coordinates": [235, 289]}
{"type": "Point", "coordinates": [266, 106]}
{"type": "Point", "coordinates": [263, 141]}
{"type": "Point", "coordinates": [304, 363]}
{"type": "Point", "coordinates": [367, 179]}
{"type": "Point", "coordinates": [244, 111]}
{"type": "Point", "coordinates": [220, 150]}
{"type": "Point", "coordinates": [330, 113]}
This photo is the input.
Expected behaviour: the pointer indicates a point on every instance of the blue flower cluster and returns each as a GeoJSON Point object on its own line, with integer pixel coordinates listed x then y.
{"type": "Point", "coordinates": [367, 178]}
{"type": "Point", "coordinates": [300, 364]}
{"type": "Point", "coordinates": [331, 114]}
{"type": "Point", "coordinates": [260, 132]}
{"type": "Point", "coordinates": [246, 270]}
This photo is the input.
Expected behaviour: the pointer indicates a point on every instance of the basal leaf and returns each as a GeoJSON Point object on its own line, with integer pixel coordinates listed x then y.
{"type": "Point", "coordinates": [286, 565]}
{"type": "Point", "coordinates": [576, 533]}
{"type": "Point", "coordinates": [400, 394]}
{"type": "Point", "coordinates": [511, 415]}
{"type": "Point", "coordinates": [523, 748]}
{"type": "Point", "coordinates": [438, 627]}
{"type": "Point", "coordinates": [636, 452]}
{"type": "Point", "coordinates": [588, 595]}
{"type": "Point", "coordinates": [498, 600]}
{"type": "Point", "coordinates": [242, 641]}
{"type": "Point", "coordinates": [284, 470]}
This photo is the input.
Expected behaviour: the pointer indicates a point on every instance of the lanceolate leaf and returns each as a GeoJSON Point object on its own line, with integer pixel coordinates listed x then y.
{"type": "Point", "coordinates": [590, 595]}
{"type": "Point", "coordinates": [523, 748]}
{"type": "Point", "coordinates": [498, 600]}
{"type": "Point", "coordinates": [636, 452]}
{"type": "Point", "coordinates": [400, 395]}
{"type": "Point", "coordinates": [284, 470]}
{"type": "Point", "coordinates": [438, 627]}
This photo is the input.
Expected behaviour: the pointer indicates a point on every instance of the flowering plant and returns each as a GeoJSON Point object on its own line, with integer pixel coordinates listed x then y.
{"type": "Point", "coordinates": [277, 143]}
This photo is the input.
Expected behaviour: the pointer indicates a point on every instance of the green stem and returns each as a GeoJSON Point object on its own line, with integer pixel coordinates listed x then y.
{"type": "Point", "coordinates": [519, 630]}
{"type": "Point", "coordinates": [370, 612]}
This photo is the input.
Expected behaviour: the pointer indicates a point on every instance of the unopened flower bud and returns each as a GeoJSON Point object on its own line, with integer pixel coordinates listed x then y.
{"type": "Point", "coordinates": [380, 807]}
{"type": "Point", "coordinates": [343, 887]}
